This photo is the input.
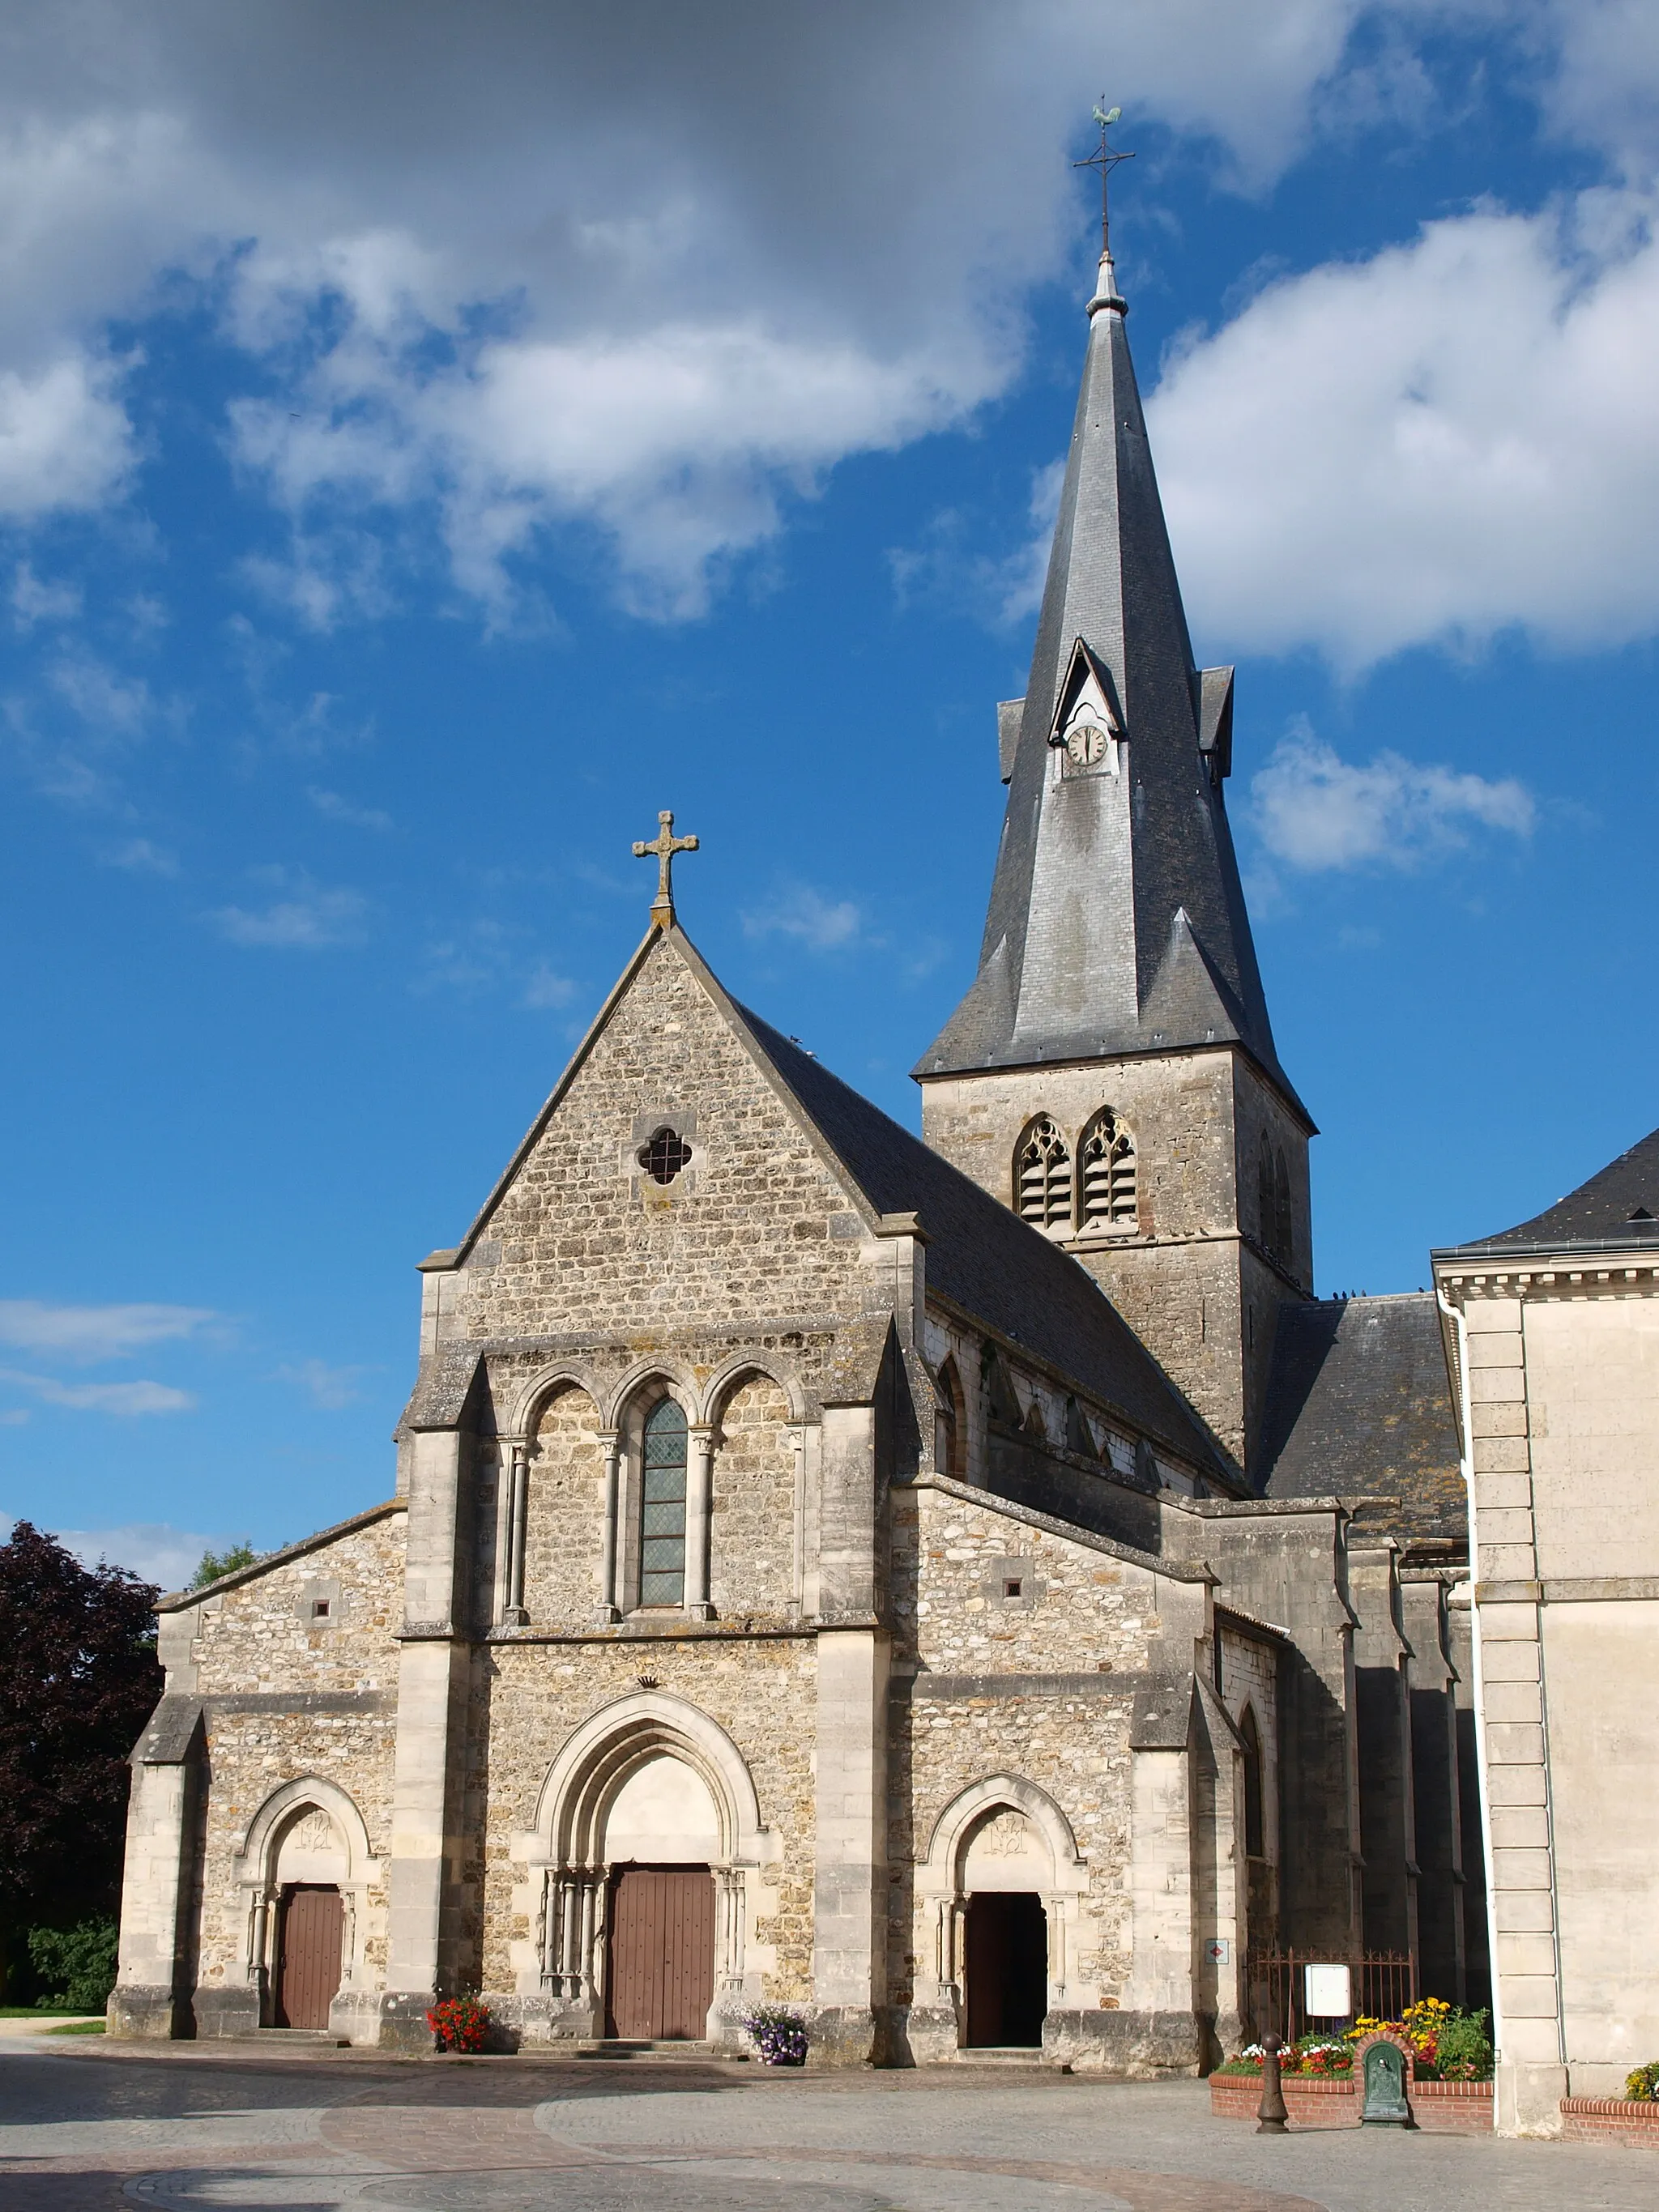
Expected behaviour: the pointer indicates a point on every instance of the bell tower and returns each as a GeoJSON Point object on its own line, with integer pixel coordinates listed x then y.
{"type": "Point", "coordinates": [1111, 1073]}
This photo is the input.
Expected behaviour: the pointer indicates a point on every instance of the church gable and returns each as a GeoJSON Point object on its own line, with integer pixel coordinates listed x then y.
{"type": "Point", "coordinates": [668, 1183]}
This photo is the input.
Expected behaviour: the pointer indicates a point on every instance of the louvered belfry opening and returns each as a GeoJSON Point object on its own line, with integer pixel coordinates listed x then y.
{"type": "Point", "coordinates": [662, 1510]}
{"type": "Point", "coordinates": [1042, 1175]}
{"type": "Point", "coordinates": [1107, 1157]}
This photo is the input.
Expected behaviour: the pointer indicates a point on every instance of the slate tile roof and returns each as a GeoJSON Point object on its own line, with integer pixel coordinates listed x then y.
{"type": "Point", "coordinates": [1359, 1403]}
{"type": "Point", "coordinates": [1619, 1206]}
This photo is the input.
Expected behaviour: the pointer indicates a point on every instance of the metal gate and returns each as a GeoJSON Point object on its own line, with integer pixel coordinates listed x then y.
{"type": "Point", "coordinates": [662, 1953]}
{"type": "Point", "coordinates": [1384, 1983]}
{"type": "Point", "coordinates": [309, 1939]}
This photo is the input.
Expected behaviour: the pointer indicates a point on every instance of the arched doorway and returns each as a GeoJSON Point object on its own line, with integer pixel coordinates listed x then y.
{"type": "Point", "coordinates": [310, 1863]}
{"type": "Point", "coordinates": [1006, 1969]}
{"type": "Point", "coordinates": [661, 1831]}
{"type": "Point", "coordinates": [310, 1926]}
{"type": "Point", "coordinates": [1006, 1957]}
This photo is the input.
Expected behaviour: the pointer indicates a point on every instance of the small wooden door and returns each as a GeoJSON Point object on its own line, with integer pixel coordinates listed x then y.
{"type": "Point", "coordinates": [309, 1939]}
{"type": "Point", "coordinates": [1007, 1970]}
{"type": "Point", "coordinates": [662, 1953]}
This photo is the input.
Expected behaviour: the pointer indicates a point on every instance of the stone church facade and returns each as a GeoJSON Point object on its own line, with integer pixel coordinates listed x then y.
{"type": "Point", "coordinates": [968, 1588]}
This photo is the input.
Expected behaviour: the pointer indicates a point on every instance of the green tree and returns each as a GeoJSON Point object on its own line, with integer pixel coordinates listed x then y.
{"type": "Point", "coordinates": [215, 1563]}
{"type": "Point", "coordinates": [78, 1679]}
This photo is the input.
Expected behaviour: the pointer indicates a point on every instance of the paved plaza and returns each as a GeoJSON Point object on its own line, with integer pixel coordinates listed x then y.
{"type": "Point", "coordinates": [91, 2129]}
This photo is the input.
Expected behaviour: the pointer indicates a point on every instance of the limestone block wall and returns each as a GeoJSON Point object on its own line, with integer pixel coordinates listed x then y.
{"type": "Point", "coordinates": [1250, 1667]}
{"type": "Point", "coordinates": [287, 1697]}
{"type": "Point", "coordinates": [529, 1695]}
{"type": "Point", "coordinates": [1019, 1652]}
{"type": "Point", "coordinates": [564, 1517]}
{"type": "Point", "coordinates": [263, 1634]}
{"type": "Point", "coordinates": [1186, 1281]}
{"type": "Point", "coordinates": [580, 1239]}
{"type": "Point", "coordinates": [753, 1535]}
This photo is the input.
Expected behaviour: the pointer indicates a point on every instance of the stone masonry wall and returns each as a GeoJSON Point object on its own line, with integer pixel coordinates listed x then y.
{"type": "Point", "coordinates": [583, 1240]}
{"type": "Point", "coordinates": [964, 1714]}
{"type": "Point", "coordinates": [752, 1530]}
{"type": "Point", "coordinates": [254, 1641]}
{"type": "Point", "coordinates": [564, 1518]}
{"type": "Point", "coordinates": [529, 1697]}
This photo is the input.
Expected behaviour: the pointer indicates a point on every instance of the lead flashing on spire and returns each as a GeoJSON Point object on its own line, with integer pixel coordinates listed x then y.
{"type": "Point", "coordinates": [1106, 294]}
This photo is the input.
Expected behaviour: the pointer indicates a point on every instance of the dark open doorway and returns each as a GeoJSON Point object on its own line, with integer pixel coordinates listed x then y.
{"type": "Point", "coordinates": [1007, 1970]}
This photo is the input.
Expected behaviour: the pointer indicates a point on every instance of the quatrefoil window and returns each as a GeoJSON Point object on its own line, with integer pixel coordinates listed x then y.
{"type": "Point", "coordinates": [665, 1154]}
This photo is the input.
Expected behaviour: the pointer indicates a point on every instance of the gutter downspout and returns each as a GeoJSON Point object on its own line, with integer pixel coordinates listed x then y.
{"type": "Point", "coordinates": [1465, 1468]}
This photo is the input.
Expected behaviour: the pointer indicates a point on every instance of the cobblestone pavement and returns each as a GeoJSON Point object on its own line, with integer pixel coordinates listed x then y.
{"type": "Point", "coordinates": [187, 2130]}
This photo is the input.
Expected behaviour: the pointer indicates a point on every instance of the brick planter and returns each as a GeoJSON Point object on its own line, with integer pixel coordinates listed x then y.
{"type": "Point", "coordinates": [1610, 2119]}
{"type": "Point", "coordinates": [1438, 2107]}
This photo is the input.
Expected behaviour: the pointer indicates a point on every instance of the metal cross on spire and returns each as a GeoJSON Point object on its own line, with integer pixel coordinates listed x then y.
{"type": "Point", "coordinates": [1105, 158]}
{"type": "Point", "coordinates": [662, 846]}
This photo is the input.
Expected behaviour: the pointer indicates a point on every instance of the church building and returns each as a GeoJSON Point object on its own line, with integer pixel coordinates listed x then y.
{"type": "Point", "coordinates": [966, 1587]}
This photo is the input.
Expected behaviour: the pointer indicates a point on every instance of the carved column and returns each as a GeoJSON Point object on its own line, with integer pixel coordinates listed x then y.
{"type": "Point", "coordinates": [699, 1498]}
{"type": "Point", "coordinates": [611, 1562]}
{"type": "Point", "coordinates": [515, 1484]}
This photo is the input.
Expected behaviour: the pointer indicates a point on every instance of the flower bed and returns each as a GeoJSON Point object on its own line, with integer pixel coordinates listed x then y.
{"type": "Point", "coordinates": [1633, 2120]}
{"type": "Point", "coordinates": [1438, 2107]}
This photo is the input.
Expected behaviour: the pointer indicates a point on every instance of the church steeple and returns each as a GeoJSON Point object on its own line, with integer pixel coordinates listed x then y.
{"type": "Point", "coordinates": [1116, 921]}
{"type": "Point", "coordinates": [1111, 1073]}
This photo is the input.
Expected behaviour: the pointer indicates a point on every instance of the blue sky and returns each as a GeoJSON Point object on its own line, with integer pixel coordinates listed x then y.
{"type": "Point", "coordinates": [431, 441]}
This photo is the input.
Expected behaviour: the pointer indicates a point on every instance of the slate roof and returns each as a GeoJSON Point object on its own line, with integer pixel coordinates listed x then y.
{"type": "Point", "coordinates": [1619, 1206]}
{"type": "Point", "coordinates": [1359, 1403]}
{"type": "Point", "coordinates": [989, 1263]}
{"type": "Point", "coordinates": [1070, 879]}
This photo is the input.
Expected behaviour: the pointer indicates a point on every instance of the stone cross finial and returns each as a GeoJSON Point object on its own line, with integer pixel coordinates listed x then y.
{"type": "Point", "coordinates": [664, 845]}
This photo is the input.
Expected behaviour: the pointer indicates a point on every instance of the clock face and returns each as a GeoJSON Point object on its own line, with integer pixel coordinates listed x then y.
{"type": "Point", "coordinates": [1086, 744]}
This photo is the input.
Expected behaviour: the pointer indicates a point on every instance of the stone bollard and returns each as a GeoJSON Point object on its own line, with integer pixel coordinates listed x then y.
{"type": "Point", "coordinates": [1270, 2113]}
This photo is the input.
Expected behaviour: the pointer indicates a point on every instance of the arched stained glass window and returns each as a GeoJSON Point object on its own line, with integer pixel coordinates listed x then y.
{"type": "Point", "coordinates": [1042, 1175]}
{"type": "Point", "coordinates": [1107, 1161]}
{"type": "Point", "coordinates": [662, 1508]}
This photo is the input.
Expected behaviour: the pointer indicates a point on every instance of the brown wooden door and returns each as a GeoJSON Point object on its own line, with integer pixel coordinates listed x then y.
{"type": "Point", "coordinates": [662, 1953]}
{"type": "Point", "coordinates": [308, 1954]}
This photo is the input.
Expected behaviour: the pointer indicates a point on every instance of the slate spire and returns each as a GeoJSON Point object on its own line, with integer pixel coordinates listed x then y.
{"type": "Point", "coordinates": [1117, 921]}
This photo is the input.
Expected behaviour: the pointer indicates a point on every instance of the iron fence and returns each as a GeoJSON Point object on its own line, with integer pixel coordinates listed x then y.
{"type": "Point", "coordinates": [1382, 1986]}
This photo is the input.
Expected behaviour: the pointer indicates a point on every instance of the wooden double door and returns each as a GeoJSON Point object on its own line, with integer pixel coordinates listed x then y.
{"type": "Point", "coordinates": [310, 1931]}
{"type": "Point", "coordinates": [661, 1979]}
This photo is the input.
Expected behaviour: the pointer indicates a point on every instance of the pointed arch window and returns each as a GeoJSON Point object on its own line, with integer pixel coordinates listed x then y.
{"type": "Point", "coordinates": [662, 1507]}
{"type": "Point", "coordinates": [1107, 1162]}
{"type": "Point", "coordinates": [1255, 1845]}
{"type": "Point", "coordinates": [1042, 1175]}
{"type": "Point", "coordinates": [947, 1422]}
{"type": "Point", "coordinates": [1272, 1199]}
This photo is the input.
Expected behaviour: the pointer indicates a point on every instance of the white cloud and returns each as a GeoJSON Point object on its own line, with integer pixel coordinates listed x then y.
{"type": "Point", "coordinates": [65, 442]}
{"type": "Point", "coordinates": [1313, 811]}
{"type": "Point", "coordinates": [1450, 439]}
{"type": "Point", "coordinates": [524, 277]}
{"type": "Point", "coordinates": [327, 1388]}
{"type": "Point", "coordinates": [141, 858]}
{"type": "Point", "coordinates": [155, 1551]}
{"type": "Point", "coordinates": [822, 925]}
{"type": "Point", "coordinates": [126, 1400]}
{"type": "Point", "coordinates": [333, 808]}
{"type": "Point", "coordinates": [89, 1334]}
{"type": "Point", "coordinates": [546, 988]}
{"type": "Point", "coordinates": [309, 918]}
{"type": "Point", "coordinates": [519, 279]}
{"type": "Point", "coordinates": [36, 600]}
